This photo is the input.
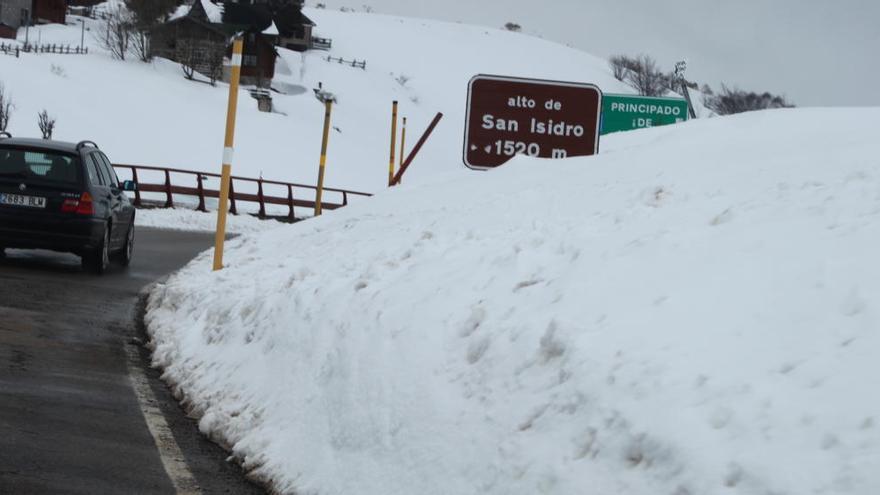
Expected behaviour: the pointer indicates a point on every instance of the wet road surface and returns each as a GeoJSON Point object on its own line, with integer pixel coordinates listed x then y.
{"type": "Point", "coordinates": [70, 419]}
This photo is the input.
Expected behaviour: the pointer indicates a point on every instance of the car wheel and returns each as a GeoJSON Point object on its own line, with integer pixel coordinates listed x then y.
{"type": "Point", "coordinates": [98, 260]}
{"type": "Point", "coordinates": [128, 249]}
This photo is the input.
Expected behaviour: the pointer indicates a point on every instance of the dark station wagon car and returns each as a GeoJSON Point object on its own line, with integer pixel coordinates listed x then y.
{"type": "Point", "coordinates": [64, 197]}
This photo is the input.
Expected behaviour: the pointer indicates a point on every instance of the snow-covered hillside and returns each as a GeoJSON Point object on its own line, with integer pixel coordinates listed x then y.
{"type": "Point", "coordinates": [816, 53]}
{"type": "Point", "coordinates": [695, 311]}
{"type": "Point", "coordinates": [149, 114]}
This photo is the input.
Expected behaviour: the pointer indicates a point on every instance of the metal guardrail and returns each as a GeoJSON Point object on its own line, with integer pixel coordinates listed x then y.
{"type": "Point", "coordinates": [201, 192]}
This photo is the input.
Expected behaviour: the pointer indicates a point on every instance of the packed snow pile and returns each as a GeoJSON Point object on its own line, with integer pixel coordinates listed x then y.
{"type": "Point", "coordinates": [695, 311]}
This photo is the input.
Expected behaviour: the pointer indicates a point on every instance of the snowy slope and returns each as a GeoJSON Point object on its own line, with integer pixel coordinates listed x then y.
{"type": "Point", "coordinates": [695, 311]}
{"type": "Point", "coordinates": [814, 52]}
{"type": "Point", "coordinates": [149, 114]}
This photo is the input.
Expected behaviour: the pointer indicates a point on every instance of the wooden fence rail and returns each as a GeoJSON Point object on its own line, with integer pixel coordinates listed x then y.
{"type": "Point", "coordinates": [295, 196]}
{"type": "Point", "coordinates": [321, 43]}
{"type": "Point", "coordinates": [15, 49]}
{"type": "Point", "coordinates": [353, 63]}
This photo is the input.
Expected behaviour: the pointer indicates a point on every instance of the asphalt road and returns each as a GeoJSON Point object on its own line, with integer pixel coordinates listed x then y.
{"type": "Point", "coordinates": [70, 420]}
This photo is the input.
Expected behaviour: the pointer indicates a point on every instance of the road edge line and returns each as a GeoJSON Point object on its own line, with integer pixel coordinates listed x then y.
{"type": "Point", "coordinates": [173, 460]}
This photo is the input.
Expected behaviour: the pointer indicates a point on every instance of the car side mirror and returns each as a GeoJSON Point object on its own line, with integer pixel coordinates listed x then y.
{"type": "Point", "coordinates": [129, 185]}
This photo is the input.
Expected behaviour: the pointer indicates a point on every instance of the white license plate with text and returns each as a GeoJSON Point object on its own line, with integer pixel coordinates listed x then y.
{"type": "Point", "coordinates": [20, 200]}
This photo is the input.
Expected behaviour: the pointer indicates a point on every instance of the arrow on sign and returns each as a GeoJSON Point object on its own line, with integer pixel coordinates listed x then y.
{"type": "Point", "coordinates": [473, 147]}
{"type": "Point", "coordinates": [488, 149]}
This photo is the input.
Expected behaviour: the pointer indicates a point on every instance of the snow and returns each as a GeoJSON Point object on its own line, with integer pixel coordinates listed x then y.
{"type": "Point", "coordinates": [272, 30]}
{"type": "Point", "coordinates": [753, 44]}
{"type": "Point", "coordinates": [149, 114]}
{"type": "Point", "coordinates": [196, 221]}
{"type": "Point", "coordinates": [694, 311]}
{"type": "Point", "coordinates": [214, 11]}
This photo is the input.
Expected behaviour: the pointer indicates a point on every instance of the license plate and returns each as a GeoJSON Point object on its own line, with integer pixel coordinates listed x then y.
{"type": "Point", "coordinates": [20, 200]}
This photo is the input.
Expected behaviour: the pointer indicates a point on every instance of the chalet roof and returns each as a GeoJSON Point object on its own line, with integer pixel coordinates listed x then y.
{"type": "Point", "coordinates": [290, 19]}
{"type": "Point", "coordinates": [254, 18]}
{"type": "Point", "coordinates": [219, 29]}
{"type": "Point", "coordinates": [198, 14]}
{"type": "Point", "coordinates": [259, 17]}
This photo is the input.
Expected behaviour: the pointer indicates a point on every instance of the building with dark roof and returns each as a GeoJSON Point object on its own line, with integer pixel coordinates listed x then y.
{"type": "Point", "coordinates": [13, 14]}
{"type": "Point", "coordinates": [196, 39]}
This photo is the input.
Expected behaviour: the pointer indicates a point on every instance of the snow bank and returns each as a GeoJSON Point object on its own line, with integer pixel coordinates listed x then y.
{"type": "Point", "coordinates": [196, 221]}
{"type": "Point", "coordinates": [693, 312]}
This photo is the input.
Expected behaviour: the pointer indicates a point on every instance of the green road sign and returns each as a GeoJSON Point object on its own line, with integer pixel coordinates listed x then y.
{"type": "Point", "coordinates": [627, 112]}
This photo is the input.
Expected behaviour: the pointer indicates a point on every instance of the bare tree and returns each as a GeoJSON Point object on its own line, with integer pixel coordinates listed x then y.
{"type": "Point", "coordinates": [645, 78]}
{"type": "Point", "coordinates": [6, 107]}
{"type": "Point", "coordinates": [620, 66]}
{"type": "Point", "coordinates": [730, 101]}
{"type": "Point", "coordinates": [143, 16]}
{"type": "Point", "coordinates": [140, 44]}
{"type": "Point", "coordinates": [188, 57]}
{"type": "Point", "coordinates": [148, 13]}
{"type": "Point", "coordinates": [202, 56]}
{"type": "Point", "coordinates": [115, 37]}
{"type": "Point", "coordinates": [46, 123]}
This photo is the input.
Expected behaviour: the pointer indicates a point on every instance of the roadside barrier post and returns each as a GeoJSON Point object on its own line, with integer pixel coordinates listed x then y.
{"type": "Point", "coordinates": [393, 142]}
{"type": "Point", "coordinates": [320, 192]}
{"type": "Point", "coordinates": [402, 142]}
{"type": "Point", "coordinates": [228, 151]}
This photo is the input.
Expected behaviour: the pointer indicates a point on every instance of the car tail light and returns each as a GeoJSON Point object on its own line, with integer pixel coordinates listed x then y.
{"type": "Point", "coordinates": [82, 206]}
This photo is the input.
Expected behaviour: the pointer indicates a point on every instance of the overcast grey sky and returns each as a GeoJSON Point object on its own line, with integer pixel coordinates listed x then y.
{"type": "Point", "coordinates": [816, 52]}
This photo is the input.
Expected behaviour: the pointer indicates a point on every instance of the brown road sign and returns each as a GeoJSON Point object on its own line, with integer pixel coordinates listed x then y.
{"type": "Point", "coordinates": [507, 116]}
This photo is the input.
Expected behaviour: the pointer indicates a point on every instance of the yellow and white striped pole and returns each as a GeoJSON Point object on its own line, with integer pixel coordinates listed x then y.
{"type": "Point", "coordinates": [393, 142]}
{"type": "Point", "coordinates": [220, 235]}
{"type": "Point", "coordinates": [328, 107]}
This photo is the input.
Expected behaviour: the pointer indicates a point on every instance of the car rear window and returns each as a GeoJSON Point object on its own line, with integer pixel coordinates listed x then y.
{"type": "Point", "coordinates": [42, 166]}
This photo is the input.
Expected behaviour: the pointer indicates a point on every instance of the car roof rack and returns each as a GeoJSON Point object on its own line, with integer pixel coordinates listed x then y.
{"type": "Point", "coordinates": [5, 134]}
{"type": "Point", "coordinates": [82, 144]}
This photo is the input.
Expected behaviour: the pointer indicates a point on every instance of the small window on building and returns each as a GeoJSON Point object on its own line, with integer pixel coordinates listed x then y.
{"type": "Point", "coordinates": [249, 60]}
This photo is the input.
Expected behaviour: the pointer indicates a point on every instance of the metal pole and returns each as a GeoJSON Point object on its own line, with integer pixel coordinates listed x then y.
{"type": "Point", "coordinates": [393, 141]}
{"type": "Point", "coordinates": [416, 148]}
{"type": "Point", "coordinates": [328, 107]}
{"type": "Point", "coordinates": [687, 97]}
{"type": "Point", "coordinates": [82, 38]}
{"type": "Point", "coordinates": [228, 151]}
{"type": "Point", "coordinates": [402, 141]}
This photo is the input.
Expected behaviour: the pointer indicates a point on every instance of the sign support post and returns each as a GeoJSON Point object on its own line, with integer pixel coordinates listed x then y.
{"type": "Point", "coordinates": [228, 152]}
{"type": "Point", "coordinates": [328, 107]}
{"type": "Point", "coordinates": [680, 67]}
{"type": "Point", "coordinates": [393, 142]}
{"type": "Point", "coordinates": [415, 151]}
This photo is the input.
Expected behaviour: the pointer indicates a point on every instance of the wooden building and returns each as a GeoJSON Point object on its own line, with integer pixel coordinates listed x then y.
{"type": "Point", "coordinates": [295, 29]}
{"type": "Point", "coordinates": [13, 14]}
{"type": "Point", "coordinates": [256, 21]}
{"type": "Point", "coordinates": [202, 42]}
{"type": "Point", "coordinates": [193, 41]}
{"type": "Point", "coordinates": [49, 11]}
